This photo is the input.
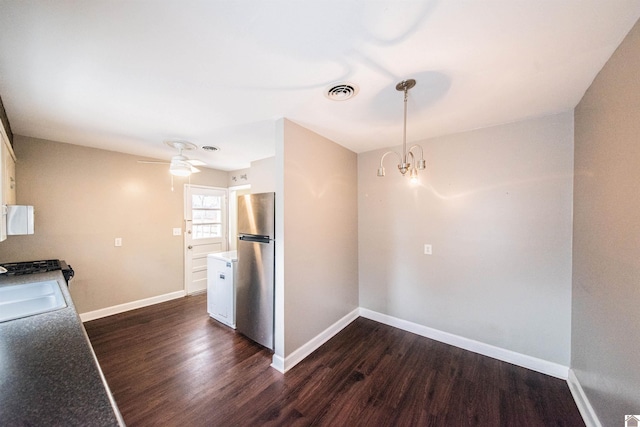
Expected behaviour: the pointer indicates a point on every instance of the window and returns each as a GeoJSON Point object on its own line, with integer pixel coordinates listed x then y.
{"type": "Point", "coordinates": [206, 215]}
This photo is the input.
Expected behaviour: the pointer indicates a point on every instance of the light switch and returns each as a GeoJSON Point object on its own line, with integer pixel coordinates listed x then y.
{"type": "Point", "coordinates": [177, 231]}
{"type": "Point", "coordinates": [427, 250]}
{"type": "Point", "coordinates": [118, 241]}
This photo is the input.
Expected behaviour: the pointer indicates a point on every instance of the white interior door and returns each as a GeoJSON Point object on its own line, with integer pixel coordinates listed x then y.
{"type": "Point", "coordinates": [205, 214]}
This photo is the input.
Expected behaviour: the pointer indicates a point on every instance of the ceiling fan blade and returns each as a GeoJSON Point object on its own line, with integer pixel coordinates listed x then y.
{"type": "Point", "coordinates": [153, 162]}
{"type": "Point", "coordinates": [179, 162]}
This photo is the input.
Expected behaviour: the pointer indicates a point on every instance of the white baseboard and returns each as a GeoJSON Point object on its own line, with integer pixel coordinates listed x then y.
{"type": "Point", "coordinates": [121, 308]}
{"type": "Point", "coordinates": [519, 359]}
{"type": "Point", "coordinates": [284, 364]}
{"type": "Point", "coordinates": [584, 406]}
{"type": "Point", "coordinates": [277, 363]}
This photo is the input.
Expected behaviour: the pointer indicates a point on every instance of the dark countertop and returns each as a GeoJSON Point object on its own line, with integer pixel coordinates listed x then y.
{"type": "Point", "coordinates": [49, 374]}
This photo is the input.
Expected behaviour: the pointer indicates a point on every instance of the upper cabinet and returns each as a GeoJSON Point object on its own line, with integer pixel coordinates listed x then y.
{"type": "Point", "coordinates": [7, 180]}
{"type": "Point", "coordinates": [8, 175]}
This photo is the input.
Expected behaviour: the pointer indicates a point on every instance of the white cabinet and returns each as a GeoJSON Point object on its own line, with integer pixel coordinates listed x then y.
{"type": "Point", "coordinates": [7, 180]}
{"type": "Point", "coordinates": [221, 287]}
{"type": "Point", "coordinates": [8, 175]}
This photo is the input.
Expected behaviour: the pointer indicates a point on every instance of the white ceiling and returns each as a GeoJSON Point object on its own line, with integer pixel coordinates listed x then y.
{"type": "Point", "coordinates": [128, 75]}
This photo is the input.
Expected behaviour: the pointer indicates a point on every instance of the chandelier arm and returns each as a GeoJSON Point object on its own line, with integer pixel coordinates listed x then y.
{"type": "Point", "coordinates": [417, 146]}
{"type": "Point", "coordinates": [390, 152]}
{"type": "Point", "coordinates": [421, 163]}
{"type": "Point", "coordinates": [381, 168]}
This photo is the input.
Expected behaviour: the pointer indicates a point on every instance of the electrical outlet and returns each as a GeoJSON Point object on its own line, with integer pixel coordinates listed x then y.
{"type": "Point", "coordinates": [427, 250]}
{"type": "Point", "coordinates": [177, 231]}
{"type": "Point", "coordinates": [118, 242]}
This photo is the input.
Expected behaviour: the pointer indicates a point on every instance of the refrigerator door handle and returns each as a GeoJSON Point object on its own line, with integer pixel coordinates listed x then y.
{"type": "Point", "coordinates": [259, 239]}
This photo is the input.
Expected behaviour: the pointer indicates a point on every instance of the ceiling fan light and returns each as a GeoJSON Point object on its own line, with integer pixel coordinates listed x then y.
{"type": "Point", "coordinates": [179, 168]}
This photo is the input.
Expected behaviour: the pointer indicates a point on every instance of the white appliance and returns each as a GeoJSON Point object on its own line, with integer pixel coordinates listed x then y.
{"type": "Point", "coordinates": [221, 287]}
{"type": "Point", "coordinates": [19, 220]}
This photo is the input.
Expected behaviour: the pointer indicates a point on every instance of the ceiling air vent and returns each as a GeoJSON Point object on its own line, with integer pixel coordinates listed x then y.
{"type": "Point", "coordinates": [342, 91]}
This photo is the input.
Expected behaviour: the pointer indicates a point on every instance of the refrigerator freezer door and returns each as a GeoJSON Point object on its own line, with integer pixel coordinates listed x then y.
{"type": "Point", "coordinates": [255, 291]}
{"type": "Point", "coordinates": [256, 214]}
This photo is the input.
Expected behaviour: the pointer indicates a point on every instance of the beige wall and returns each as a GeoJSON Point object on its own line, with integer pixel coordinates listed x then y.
{"type": "Point", "coordinates": [84, 198]}
{"type": "Point", "coordinates": [261, 176]}
{"type": "Point", "coordinates": [317, 235]}
{"type": "Point", "coordinates": [239, 177]}
{"type": "Point", "coordinates": [495, 204]}
{"type": "Point", "coordinates": [606, 244]}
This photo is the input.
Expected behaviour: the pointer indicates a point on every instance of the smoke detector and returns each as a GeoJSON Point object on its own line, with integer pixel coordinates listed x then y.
{"type": "Point", "coordinates": [342, 91]}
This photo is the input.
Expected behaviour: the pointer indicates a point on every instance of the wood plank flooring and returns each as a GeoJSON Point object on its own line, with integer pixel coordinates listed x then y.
{"type": "Point", "coordinates": [171, 365]}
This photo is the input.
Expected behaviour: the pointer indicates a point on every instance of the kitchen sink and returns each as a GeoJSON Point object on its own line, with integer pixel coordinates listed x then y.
{"type": "Point", "coordinates": [29, 299]}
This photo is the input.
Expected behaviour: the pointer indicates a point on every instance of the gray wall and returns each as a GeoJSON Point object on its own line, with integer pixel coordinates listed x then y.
{"type": "Point", "coordinates": [86, 197]}
{"type": "Point", "coordinates": [495, 203]}
{"type": "Point", "coordinates": [606, 238]}
{"type": "Point", "coordinates": [317, 234]}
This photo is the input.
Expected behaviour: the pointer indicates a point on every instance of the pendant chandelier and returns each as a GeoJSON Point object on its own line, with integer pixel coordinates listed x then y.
{"type": "Point", "coordinates": [407, 161]}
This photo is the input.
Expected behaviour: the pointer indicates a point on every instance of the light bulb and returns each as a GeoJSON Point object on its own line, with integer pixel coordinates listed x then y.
{"type": "Point", "coordinates": [413, 176]}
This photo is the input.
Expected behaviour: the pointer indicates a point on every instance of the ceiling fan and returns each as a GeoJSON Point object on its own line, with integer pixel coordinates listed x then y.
{"type": "Point", "coordinates": [179, 165]}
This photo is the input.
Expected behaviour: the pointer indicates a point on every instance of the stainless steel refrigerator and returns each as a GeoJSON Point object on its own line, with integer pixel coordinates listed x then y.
{"type": "Point", "coordinates": [256, 267]}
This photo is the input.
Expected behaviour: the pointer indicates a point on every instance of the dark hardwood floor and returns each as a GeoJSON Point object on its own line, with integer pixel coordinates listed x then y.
{"type": "Point", "coordinates": [171, 365]}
